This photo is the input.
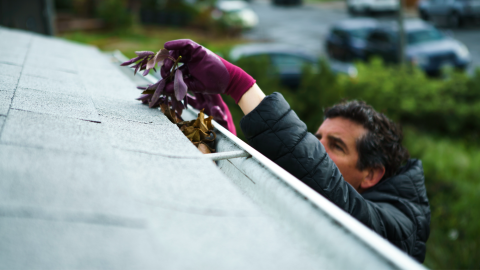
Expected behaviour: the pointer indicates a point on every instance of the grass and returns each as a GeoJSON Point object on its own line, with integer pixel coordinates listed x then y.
{"type": "Point", "coordinates": [150, 38]}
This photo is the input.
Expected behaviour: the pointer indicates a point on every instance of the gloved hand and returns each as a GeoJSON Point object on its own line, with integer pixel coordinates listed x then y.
{"type": "Point", "coordinates": [219, 110]}
{"type": "Point", "coordinates": [205, 72]}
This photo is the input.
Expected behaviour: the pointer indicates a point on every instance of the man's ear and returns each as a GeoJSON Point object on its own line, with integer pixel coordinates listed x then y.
{"type": "Point", "coordinates": [373, 177]}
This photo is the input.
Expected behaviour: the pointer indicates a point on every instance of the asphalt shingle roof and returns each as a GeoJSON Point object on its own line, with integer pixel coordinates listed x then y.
{"type": "Point", "coordinates": [90, 178]}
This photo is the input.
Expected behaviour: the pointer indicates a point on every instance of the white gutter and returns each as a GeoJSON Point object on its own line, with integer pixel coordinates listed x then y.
{"type": "Point", "coordinates": [227, 155]}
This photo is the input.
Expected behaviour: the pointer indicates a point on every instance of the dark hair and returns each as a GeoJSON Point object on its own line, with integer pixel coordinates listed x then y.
{"type": "Point", "coordinates": [382, 145]}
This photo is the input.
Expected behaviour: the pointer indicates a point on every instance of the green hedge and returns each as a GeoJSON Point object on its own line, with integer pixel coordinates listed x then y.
{"type": "Point", "coordinates": [452, 176]}
{"type": "Point", "coordinates": [115, 14]}
{"type": "Point", "coordinates": [442, 124]}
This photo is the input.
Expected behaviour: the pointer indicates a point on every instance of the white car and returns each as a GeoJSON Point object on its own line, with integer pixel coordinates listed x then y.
{"type": "Point", "coordinates": [235, 13]}
{"type": "Point", "coordinates": [372, 6]}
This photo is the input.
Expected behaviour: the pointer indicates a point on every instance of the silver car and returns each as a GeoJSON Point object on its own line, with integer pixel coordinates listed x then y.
{"type": "Point", "coordinates": [454, 12]}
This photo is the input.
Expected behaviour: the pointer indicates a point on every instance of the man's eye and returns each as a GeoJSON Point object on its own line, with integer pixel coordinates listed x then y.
{"type": "Point", "coordinates": [336, 146]}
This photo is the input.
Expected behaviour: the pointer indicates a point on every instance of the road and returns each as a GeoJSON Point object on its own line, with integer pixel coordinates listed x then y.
{"type": "Point", "coordinates": [307, 26]}
{"type": "Point", "coordinates": [304, 26]}
{"type": "Point", "coordinates": [470, 36]}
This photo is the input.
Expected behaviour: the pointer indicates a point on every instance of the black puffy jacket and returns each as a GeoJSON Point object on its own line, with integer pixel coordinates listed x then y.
{"type": "Point", "coordinates": [396, 208]}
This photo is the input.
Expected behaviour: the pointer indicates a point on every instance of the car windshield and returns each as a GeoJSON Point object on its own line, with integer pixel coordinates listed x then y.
{"type": "Point", "coordinates": [360, 33]}
{"type": "Point", "coordinates": [424, 35]}
{"type": "Point", "coordinates": [288, 63]}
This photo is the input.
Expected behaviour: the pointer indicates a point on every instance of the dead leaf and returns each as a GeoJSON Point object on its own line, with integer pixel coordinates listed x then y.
{"type": "Point", "coordinates": [195, 135]}
{"type": "Point", "coordinates": [204, 148]}
{"type": "Point", "coordinates": [170, 114]}
{"type": "Point", "coordinates": [187, 130]}
{"type": "Point", "coordinates": [198, 131]}
{"type": "Point", "coordinates": [208, 122]}
{"type": "Point", "coordinates": [210, 138]}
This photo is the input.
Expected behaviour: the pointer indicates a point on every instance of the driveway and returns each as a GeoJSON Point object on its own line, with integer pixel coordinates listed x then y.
{"type": "Point", "coordinates": [304, 26]}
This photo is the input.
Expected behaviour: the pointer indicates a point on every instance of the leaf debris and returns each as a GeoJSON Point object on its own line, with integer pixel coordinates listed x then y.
{"type": "Point", "coordinates": [199, 131]}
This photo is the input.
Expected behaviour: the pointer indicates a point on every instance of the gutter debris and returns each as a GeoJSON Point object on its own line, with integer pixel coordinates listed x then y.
{"type": "Point", "coordinates": [200, 132]}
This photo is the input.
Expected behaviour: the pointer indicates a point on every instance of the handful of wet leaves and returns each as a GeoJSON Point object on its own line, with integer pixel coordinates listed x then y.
{"type": "Point", "coordinates": [200, 131]}
{"type": "Point", "coordinates": [156, 94]}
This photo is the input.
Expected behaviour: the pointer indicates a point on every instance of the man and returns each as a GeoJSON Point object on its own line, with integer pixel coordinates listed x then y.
{"type": "Point", "coordinates": [354, 160]}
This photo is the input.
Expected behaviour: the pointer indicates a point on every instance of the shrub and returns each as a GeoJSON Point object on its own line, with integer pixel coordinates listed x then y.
{"type": "Point", "coordinates": [451, 176]}
{"type": "Point", "coordinates": [114, 13]}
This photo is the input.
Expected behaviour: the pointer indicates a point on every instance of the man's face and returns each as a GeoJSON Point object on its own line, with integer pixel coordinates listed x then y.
{"type": "Point", "coordinates": [339, 137]}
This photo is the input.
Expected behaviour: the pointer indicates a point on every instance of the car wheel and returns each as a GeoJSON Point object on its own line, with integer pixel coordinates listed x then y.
{"type": "Point", "coordinates": [454, 20]}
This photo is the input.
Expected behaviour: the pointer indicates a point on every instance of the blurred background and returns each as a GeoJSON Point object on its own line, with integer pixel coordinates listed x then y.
{"type": "Point", "coordinates": [415, 61]}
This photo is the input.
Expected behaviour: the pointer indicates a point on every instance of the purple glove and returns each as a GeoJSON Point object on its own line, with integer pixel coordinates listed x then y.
{"type": "Point", "coordinates": [219, 111]}
{"type": "Point", "coordinates": [205, 72]}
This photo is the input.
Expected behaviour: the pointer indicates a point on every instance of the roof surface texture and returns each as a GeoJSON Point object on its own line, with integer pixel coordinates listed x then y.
{"type": "Point", "coordinates": [92, 179]}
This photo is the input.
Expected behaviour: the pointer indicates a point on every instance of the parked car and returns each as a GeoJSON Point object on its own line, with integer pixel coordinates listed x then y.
{"type": "Point", "coordinates": [371, 6]}
{"type": "Point", "coordinates": [425, 46]}
{"type": "Point", "coordinates": [287, 2]}
{"type": "Point", "coordinates": [454, 12]}
{"type": "Point", "coordinates": [346, 40]}
{"type": "Point", "coordinates": [285, 61]}
{"type": "Point", "coordinates": [235, 14]}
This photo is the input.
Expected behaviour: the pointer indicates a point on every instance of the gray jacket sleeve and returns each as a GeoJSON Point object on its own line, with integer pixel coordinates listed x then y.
{"type": "Point", "coordinates": [274, 130]}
